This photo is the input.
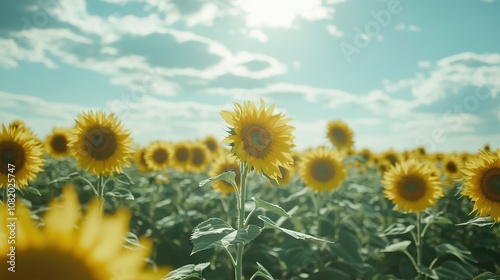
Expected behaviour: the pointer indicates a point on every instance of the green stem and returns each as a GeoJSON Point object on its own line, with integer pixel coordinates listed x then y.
{"type": "Point", "coordinates": [412, 260]}
{"type": "Point", "coordinates": [419, 243]}
{"type": "Point", "coordinates": [241, 220]}
{"type": "Point", "coordinates": [318, 215]}
{"type": "Point", "coordinates": [100, 188]}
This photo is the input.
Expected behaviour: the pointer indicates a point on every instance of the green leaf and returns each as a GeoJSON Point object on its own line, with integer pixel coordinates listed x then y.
{"type": "Point", "coordinates": [270, 207]}
{"type": "Point", "coordinates": [262, 272]}
{"type": "Point", "coordinates": [228, 176]}
{"type": "Point", "coordinates": [428, 272]}
{"type": "Point", "coordinates": [436, 219]}
{"type": "Point", "coordinates": [400, 246]}
{"type": "Point", "coordinates": [452, 270]}
{"type": "Point", "coordinates": [124, 178]}
{"type": "Point", "coordinates": [397, 229]}
{"type": "Point", "coordinates": [446, 248]}
{"type": "Point", "coordinates": [487, 276]}
{"type": "Point", "coordinates": [329, 273]}
{"type": "Point", "coordinates": [121, 193]}
{"type": "Point", "coordinates": [215, 232]}
{"type": "Point", "coordinates": [292, 233]}
{"type": "Point", "coordinates": [298, 194]}
{"type": "Point", "coordinates": [479, 221]}
{"type": "Point", "coordinates": [33, 191]}
{"type": "Point", "coordinates": [189, 271]}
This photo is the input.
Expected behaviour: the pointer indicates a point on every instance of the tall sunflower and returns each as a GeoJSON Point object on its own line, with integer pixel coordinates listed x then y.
{"type": "Point", "coordinates": [451, 166]}
{"type": "Point", "coordinates": [321, 169]}
{"type": "Point", "coordinates": [482, 183]}
{"type": "Point", "coordinates": [56, 144]}
{"type": "Point", "coordinates": [212, 144]}
{"type": "Point", "coordinates": [181, 156]}
{"type": "Point", "coordinates": [200, 157]}
{"type": "Point", "coordinates": [100, 144]}
{"type": "Point", "coordinates": [412, 186]}
{"type": "Point", "coordinates": [69, 247]}
{"type": "Point", "coordinates": [260, 138]}
{"type": "Point", "coordinates": [20, 155]}
{"type": "Point", "coordinates": [223, 164]}
{"type": "Point", "coordinates": [158, 155]}
{"type": "Point", "coordinates": [340, 134]}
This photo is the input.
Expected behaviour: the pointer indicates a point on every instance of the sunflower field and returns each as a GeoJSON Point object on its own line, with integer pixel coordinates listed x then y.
{"type": "Point", "coordinates": [86, 203]}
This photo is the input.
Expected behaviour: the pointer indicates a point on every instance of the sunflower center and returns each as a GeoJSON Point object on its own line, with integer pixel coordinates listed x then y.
{"type": "Point", "coordinates": [59, 144]}
{"type": "Point", "coordinates": [257, 140]}
{"type": "Point", "coordinates": [412, 188]}
{"type": "Point", "coordinates": [451, 167]}
{"type": "Point", "coordinates": [182, 154]}
{"type": "Point", "coordinates": [211, 145]}
{"type": "Point", "coordinates": [11, 153]}
{"type": "Point", "coordinates": [48, 264]}
{"type": "Point", "coordinates": [160, 156]}
{"type": "Point", "coordinates": [100, 143]}
{"type": "Point", "coordinates": [198, 156]}
{"type": "Point", "coordinates": [392, 158]}
{"type": "Point", "coordinates": [340, 135]}
{"type": "Point", "coordinates": [490, 184]}
{"type": "Point", "coordinates": [322, 170]}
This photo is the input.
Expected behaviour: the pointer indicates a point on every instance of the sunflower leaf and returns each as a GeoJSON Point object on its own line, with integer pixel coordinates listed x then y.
{"type": "Point", "coordinates": [461, 254]}
{"type": "Point", "coordinates": [189, 271]}
{"type": "Point", "coordinates": [479, 221]}
{"type": "Point", "coordinates": [262, 272]}
{"type": "Point", "coordinates": [228, 176]}
{"type": "Point", "coordinates": [397, 229]}
{"type": "Point", "coordinates": [452, 270]}
{"type": "Point", "coordinates": [270, 207]}
{"type": "Point", "coordinates": [292, 233]}
{"type": "Point", "coordinates": [396, 247]}
{"type": "Point", "coordinates": [215, 232]}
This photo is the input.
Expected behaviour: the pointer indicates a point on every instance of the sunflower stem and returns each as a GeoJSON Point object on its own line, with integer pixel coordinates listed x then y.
{"type": "Point", "coordinates": [419, 242]}
{"type": "Point", "coordinates": [318, 215]}
{"type": "Point", "coordinates": [238, 270]}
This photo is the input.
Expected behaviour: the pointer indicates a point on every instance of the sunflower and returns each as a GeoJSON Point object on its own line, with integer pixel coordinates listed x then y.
{"type": "Point", "coordinates": [100, 144]}
{"type": "Point", "coordinates": [391, 156]}
{"type": "Point", "coordinates": [181, 156]}
{"type": "Point", "coordinates": [158, 155]}
{"type": "Point", "coordinates": [56, 144]}
{"type": "Point", "coordinates": [139, 160]}
{"type": "Point", "coordinates": [486, 148]}
{"type": "Point", "coordinates": [321, 169]}
{"type": "Point", "coordinates": [60, 250]}
{"type": "Point", "coordinates": [200, 157]}
{"type": "Point", "coordinates": [286, 176]}
{"type": "Point", "coordinates": [212, 144]}
{"type": "Point", "coordinates": [451, 166]}
{"type": "Point", "coordinates": [383, 165]}
{"type": "Point", "coordinates": [19, 156]}
{"type": "Point", "coordinates": [482, 183]}
{"type": "Point", "coordinates": [366, 154]}
{"type": "Point", "coordinates": [340, 135]}
{"type": "Point", "coordinates": [412, 186]}
{"type": "Point", "coordinates": [223, 164]}
{"type": "Point", "coordinates": [260, 138]}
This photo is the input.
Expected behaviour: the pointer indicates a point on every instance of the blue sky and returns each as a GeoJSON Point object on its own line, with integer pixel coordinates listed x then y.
{"type": "Point", "coordinates": [401, 73]}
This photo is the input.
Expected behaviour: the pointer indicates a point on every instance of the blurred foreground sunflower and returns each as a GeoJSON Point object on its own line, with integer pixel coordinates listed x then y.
{"type": "Point", "coordinates": [321, 169]}
{"type": "Point", "coordinates": [223, 164]}
{"type": "Point", "coordinates": [20, 155]}
{"type": "Point", "coordinates": [412, 186]}
{"type": "Point", "coordinates": [340, 135]}
{"type": "Point", "coordinates": [482, 183]}
{"type": "Point", "coordinates": [56, 144]}
{"type": "Point", "coordinates": [91, 251]}
{"type": "Point", "coordinates": [260, 138]}
{"type": "Point", "coordinates": [100, 144]}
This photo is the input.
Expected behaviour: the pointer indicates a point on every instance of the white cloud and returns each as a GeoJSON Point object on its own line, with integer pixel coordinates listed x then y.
{"type": "Point", "coordinates": [424, 64]}
{"type": "Point", "coordinates": [258, 35]}
{"type": "Point", "coordinates": [334, 31]}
